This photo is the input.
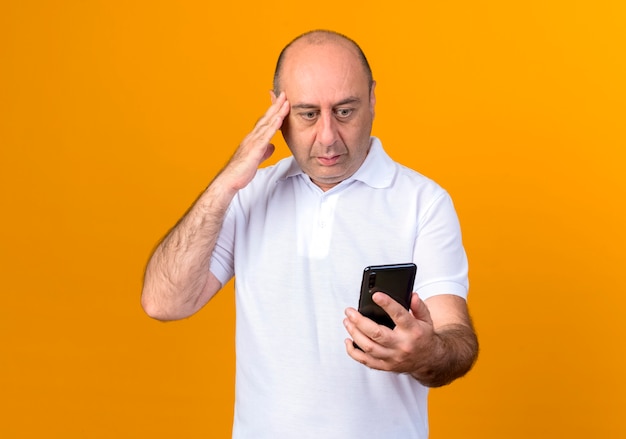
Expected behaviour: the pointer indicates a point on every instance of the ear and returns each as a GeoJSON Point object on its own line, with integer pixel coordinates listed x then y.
{"type": "Point", "coordinates": [373, 94]}
{"type": "Point", "coordinates": [272, 96]}
{"type": "Point", "coordinates": [373, 97]}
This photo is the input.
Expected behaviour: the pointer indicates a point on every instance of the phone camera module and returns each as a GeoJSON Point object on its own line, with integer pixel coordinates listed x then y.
{"type": "Point", "coordinates": [372, 280]}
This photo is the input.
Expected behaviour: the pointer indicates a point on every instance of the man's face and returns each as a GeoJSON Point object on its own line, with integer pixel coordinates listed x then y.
{"type": "Point", "coordinates": [332, 109]}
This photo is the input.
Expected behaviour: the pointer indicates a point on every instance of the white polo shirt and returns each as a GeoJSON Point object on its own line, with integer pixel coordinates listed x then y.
{"type": "Point", "coordinates": [298, 255]}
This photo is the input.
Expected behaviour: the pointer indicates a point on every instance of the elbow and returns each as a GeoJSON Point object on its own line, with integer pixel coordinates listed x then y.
{"type": "Point", "coordinates": [157, 310]}
{"type": "Point", "coordinates": [152, 310]}
{"type": "Point", "coordinates": [166, 303]}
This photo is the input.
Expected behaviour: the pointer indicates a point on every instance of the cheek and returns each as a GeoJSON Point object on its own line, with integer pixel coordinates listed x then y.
{"type": "Point", "coordinates": [356, 132]}
{"type": "Point", "coordinates": [296, 132]}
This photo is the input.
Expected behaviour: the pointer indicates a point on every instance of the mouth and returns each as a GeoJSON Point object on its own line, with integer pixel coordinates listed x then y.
{"type": "Point", "coordinates": [329, 161]}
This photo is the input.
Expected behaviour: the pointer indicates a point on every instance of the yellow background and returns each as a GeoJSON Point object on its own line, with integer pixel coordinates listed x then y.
{"type": "Point", "coordinates": [115, 115]}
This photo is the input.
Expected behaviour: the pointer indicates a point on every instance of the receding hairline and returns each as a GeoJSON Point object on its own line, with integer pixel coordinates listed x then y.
{"type": "Point", "coordinates": [320, 37]}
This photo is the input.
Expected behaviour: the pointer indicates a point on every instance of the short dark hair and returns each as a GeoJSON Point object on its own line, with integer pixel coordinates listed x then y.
{"type": "Point", "coordinates": [319, 36]}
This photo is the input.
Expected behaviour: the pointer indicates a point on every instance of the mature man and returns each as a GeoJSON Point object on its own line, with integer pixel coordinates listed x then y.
{"type": "Point", "coordinates": [297, 236]}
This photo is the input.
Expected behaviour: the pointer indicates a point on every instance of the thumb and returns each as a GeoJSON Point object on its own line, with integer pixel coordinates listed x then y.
{"type": "Point", "coordinates": [419, 309]}
{"type": "Point", "coordinates": [269, 150]}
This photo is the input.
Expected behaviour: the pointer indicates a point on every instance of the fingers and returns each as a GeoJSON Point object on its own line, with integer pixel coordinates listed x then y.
{"type": "Point", "coordinates": [400, 316]}
{"type": "Point", "coordinates": [256, 147]}
{"type": "Point", "coordinates": [420, 310]}
{"type": "Point", "coordinates": [273, 118]}
{"type": "Point", "coordinates": [366, 333]}
{"type": "Point", "coordinates": [371, 337]}
{"type": "Point", "coordinates": [258, 141]}
{"type": "Point", "coordinates": [364, 330]}
{"type": "Point", "coordinates": [271, 121]}
{"type": "Point", "coordinates": [401, 349]}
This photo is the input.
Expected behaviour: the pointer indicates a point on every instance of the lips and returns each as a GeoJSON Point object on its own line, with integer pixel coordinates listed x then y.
{"type": "Point", "coordinates": [329, 161]}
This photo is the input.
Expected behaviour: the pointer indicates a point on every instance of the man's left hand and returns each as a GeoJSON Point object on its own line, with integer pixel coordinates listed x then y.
{"type": "Point", "coordinates": [406, 348]}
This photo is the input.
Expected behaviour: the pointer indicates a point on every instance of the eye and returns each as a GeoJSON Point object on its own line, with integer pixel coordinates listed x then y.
{"type": "Point", "coordinates": [343, 112]}
{"type": "Point", "coordinates": [309, 115]}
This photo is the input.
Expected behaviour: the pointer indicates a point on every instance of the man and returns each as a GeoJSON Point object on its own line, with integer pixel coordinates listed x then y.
{"type": "Point", "coordinates": [297, 236]}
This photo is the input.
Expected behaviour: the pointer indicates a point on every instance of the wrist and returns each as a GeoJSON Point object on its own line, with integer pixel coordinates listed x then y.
{"type": "Point", "coordinates": [427, 373]}
{"type": "Point", "coordinates": [453, 353]}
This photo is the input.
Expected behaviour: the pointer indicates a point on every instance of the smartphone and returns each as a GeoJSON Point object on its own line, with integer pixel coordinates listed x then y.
{"type": "Point", "coordinates": [395, 280]}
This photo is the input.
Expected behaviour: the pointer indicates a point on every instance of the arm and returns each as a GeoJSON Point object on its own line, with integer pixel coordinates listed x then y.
{"type": "Point", "coordinates": [177, 280]}
{"type": "Point", "coordinates": [434, 342]}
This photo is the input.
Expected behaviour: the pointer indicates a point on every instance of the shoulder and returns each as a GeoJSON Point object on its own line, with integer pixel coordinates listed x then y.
{"type": "Point", "coordinates": [268, 180]}
{"type": "Point", "coordinates": [409, 184]}
{"type": "Point", "coordinates": [381, 171]}
{"type": "Point", "coordinates": [281, 170]}
{"type": "Point", "coordinates": [412, 181]}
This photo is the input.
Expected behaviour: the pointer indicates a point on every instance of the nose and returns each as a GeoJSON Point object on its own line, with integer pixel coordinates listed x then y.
{"type": "Point", "coordinates": [327, 129]}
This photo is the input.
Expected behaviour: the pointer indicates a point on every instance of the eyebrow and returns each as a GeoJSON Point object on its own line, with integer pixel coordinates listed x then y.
{"type": "Point", "coordinates": [305, 106]}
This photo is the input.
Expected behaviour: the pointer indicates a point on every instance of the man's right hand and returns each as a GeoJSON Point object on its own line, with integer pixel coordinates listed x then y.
{"type": "Point", "coordinates": [256, 147]}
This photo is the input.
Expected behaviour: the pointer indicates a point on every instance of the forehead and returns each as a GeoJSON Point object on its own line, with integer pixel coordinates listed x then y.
{"type": "Point", "coordinates": [327, 70]}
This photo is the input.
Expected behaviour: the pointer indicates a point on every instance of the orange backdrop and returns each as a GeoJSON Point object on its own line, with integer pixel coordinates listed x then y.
{"type": "Point", "coordinates": [115, 115]}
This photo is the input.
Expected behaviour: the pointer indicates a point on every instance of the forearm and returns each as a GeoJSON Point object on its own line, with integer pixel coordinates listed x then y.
{"type": "Point", "coordinates": [175, 283]}
{"type": "Point", "coordinates": [454, 352]}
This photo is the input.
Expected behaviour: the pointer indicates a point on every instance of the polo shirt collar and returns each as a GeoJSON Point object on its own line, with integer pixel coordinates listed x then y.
{"type": "Point", "coordinates": [376, 171]}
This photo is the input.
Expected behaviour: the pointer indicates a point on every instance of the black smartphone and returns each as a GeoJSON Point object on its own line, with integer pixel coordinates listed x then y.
{"type": "Point", "coordinates": [395, 280]}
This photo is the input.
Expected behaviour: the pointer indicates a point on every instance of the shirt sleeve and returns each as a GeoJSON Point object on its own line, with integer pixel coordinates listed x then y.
{"type": "Point", "coordinates": [222, 260]}
{"type": "Point", "coordinates": [441, 261]}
